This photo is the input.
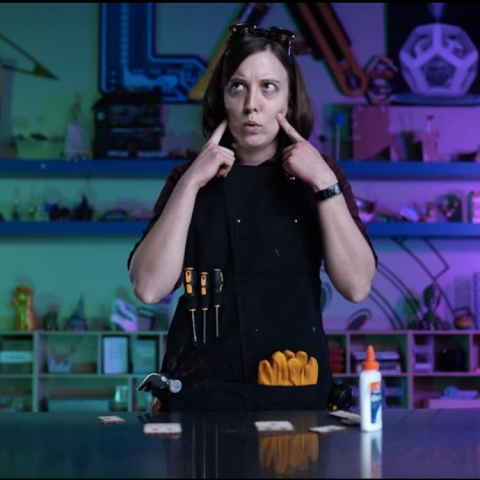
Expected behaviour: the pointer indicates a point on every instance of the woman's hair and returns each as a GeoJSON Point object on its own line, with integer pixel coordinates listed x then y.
{"type": "Point", "coordinates": [299, 114]}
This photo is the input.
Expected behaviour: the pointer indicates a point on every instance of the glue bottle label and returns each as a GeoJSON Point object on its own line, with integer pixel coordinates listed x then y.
{"type": "Point", "coordinates": [376, 400]}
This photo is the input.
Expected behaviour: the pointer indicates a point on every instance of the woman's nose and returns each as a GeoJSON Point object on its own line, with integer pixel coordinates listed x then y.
{"type": "Point", "coordinates": [251, 104]}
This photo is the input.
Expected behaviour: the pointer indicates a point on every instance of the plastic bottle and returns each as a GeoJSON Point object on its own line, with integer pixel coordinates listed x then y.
{"type": "Point", "coordinates": [370, 394]}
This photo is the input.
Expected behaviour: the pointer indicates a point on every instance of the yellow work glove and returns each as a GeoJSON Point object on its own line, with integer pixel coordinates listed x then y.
{"type": "Point", "coordinates": [280, 369]}
{"type": "Point", "coordinates": [288, 369]}
{"type": "Point", "coordinates": [310, 374]}
{"type": "Point", "coordinates": [294, 372]}
{"type": "Point", "coordinates": [289, 354]}
{"type": "Point", "coordinates": [265, 373]}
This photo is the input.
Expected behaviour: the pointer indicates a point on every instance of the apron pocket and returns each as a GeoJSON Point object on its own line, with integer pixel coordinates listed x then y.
{"type": "Point", "coordinates": [309, 397]}
{"type": "Point", "coordinates": [269, 244]}
{"type": "Point", "coordinates": [242, 397]}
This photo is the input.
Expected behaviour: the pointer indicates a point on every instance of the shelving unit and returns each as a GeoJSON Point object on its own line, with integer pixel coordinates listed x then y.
{"type": "Point", "coordinates": [454, 360]}
{"type": "Point", "coordinates": [75, 379]}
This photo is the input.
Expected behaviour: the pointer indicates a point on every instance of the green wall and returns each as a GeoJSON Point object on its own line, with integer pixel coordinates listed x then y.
{"type": "Point", "coordinates": [64, 39]}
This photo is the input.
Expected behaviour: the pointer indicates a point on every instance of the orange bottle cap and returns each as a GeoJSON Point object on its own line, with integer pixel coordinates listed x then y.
{"type": "Point", "coordinates": [370, 363]}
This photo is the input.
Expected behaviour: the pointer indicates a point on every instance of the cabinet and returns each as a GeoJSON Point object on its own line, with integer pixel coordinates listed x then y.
{"type": "Point", "coordinates": [66, 370]}
{"type": "Point", "coordinates": [420, 368]}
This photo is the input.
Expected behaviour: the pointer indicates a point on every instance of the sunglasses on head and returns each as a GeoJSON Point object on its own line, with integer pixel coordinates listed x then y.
{"type": "Point", "coordinates": [280, 35]}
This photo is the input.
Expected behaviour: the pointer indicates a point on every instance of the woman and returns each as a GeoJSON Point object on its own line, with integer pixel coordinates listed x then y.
{"type": "Point", "coordinates": [262, 205]}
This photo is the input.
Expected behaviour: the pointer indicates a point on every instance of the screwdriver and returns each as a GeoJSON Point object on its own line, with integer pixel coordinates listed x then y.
{"type": "Point", "coordinates": [217, 295]}
{"type": "Point", "coordinates": [204, 294]}
{"type": "Point", "coordinates": [191, 297]}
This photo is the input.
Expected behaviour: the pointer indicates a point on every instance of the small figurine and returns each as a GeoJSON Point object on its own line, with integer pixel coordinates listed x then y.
{"type": "Point", "coordinates": [124, 316]}
{"type": "Point", "coordinates": [77, 142]}
{"type": "Point", "coordinates": [432, 296]}
{"type": "Point", "coordinates": [463, 318]}
{"type": "Point", "coordinates": [366, 209]}
{"type": "Point", "coordinates": [50, 319]}
{"type": "Point", "coordinates": [16, 210]}
{"type": "Point", "coordinates": [380, 72]}
{"type": "Point", "coordinates": [429, 142]}
{"type": "Point", "coordinates": [431, 213]}
{"type": "Point", "coordinates": [32, 211]}
{"type": "Point", "coordinates": [450, 206]}
{"type": "Point", "coordinates": [77, 321]}
{"type": "Point", "coordinates": [25, 318]}
{"type": "Point", "coordinates": [83, 211]}
{"type": "Point", "coordinates": [474, 206]}
{"type": "Point", "coordinates": [57, 213]}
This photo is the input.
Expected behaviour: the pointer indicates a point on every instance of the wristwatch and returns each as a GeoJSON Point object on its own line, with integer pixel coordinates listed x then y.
{"type": "Point", "coordinates": [329, 192]}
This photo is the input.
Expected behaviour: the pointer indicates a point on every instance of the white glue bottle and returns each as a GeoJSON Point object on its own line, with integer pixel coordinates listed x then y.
{"type": "Point", "coordinates": [370, 394]}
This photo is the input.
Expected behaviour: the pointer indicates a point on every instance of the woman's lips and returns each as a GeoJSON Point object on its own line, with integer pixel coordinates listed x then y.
{"type": "Point", "coordinates": [251, 127]}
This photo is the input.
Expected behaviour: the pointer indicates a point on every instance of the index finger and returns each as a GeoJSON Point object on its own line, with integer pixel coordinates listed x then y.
{"type": "Point", "coordinates": [292, 134]}
{"type": "Point", "coordinates": [218, 133]}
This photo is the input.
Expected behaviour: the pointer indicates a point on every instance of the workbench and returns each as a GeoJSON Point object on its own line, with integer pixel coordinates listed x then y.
{"type": "Point", "coordinates": [413, 443]}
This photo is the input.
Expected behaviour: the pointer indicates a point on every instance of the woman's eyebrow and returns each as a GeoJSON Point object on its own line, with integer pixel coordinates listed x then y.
{"type": "Point", "coordinates": [237, 78]}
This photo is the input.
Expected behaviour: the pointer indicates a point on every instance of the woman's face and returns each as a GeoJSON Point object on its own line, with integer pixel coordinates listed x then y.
{"type": "Point", "coordinates": [255, 93]}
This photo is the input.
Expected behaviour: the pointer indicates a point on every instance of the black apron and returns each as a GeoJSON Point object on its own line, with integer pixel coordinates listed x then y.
{"type": "Point", "coordinates": [260, 229]}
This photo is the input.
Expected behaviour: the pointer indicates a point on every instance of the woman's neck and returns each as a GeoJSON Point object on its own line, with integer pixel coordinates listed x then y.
{"type": "Point", "coordinates": [253, 157]}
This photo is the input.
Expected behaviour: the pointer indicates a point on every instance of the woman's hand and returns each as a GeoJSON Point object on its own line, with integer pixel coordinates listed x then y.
{"type": "Point", "coordinates": [212, 161]}
{"type": "Point", "coordinates": [302, 159]}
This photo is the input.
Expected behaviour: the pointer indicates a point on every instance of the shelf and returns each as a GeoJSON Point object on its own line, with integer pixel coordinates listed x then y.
{"type": "Point", "coordinates": [355, 170]}
{"type": "Point", "coordinates": [73, 228]}
{"type": "Point", "coordinates": [405, 229]}
{"type": "Point", "coordinates": [387, 229]}
{"type": "Point", "coordinates": [86, 168]}
{"type": "Point", "coordinates": [421, 171]}
{"type": "Point", "coordinates": [443, 374]}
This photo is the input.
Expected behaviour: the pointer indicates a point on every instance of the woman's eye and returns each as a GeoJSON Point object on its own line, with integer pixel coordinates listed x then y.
{"type": "Point", "coordinates": [270, 87]}
{"type": "Point", "coordinates": [236, 87]}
